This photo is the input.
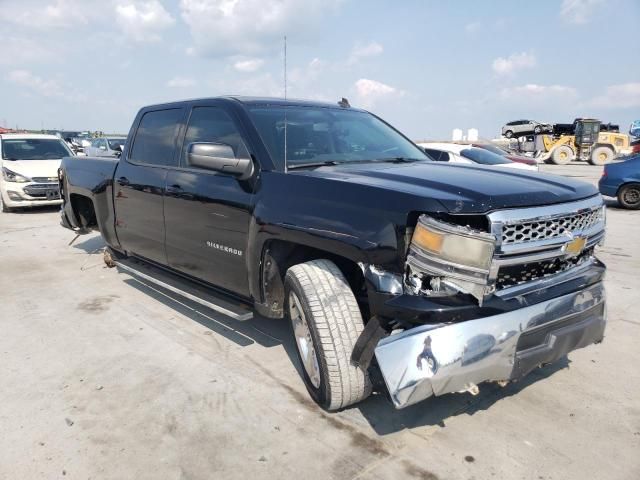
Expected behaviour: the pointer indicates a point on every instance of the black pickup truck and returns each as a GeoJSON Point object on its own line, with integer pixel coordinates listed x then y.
{"type": "Point", "coordinates": [395, 271]}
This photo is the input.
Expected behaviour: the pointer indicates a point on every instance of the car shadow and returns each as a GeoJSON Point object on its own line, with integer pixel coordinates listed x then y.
{"type": "Point", "coordinates": [36, 210]}
{"type": "Point", "coordinates": [377, 410]}
{"type": "Point", "coordinates": [613, 204]}
{"type": "Point", "coordinates": [90, 245]}
{"type": "Point", "coordinates": [435, 411]}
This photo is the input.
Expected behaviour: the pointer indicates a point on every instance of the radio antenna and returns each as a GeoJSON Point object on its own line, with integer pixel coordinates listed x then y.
{"type": "Point", "coordinates": [285, 106]}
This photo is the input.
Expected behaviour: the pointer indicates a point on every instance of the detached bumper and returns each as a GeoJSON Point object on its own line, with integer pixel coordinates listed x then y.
{"type": "Point", "coordinates": [437, 359]}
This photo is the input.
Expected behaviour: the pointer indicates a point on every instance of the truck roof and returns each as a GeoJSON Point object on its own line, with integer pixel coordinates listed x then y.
{"type": "Point", "coordinates": [255, 101]}
{"type": "Point", "coordinates": [25, 136]}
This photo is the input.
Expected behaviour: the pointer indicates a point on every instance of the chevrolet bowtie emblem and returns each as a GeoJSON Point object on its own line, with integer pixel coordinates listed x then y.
{"type": "Point", "coordinates": [575, 246]}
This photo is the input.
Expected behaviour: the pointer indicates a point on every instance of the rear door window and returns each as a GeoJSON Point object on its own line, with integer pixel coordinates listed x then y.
{"type": "Point", "coordinates": [155, 140]}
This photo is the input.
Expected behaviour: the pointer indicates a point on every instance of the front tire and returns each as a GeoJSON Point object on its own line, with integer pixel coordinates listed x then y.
{"type": "Point", "coordinates": [326, 324]}
{"type": "Point", "coordinates": [562, 155]}
{"type": "Point", "coordinates": [601, 155]}
{"type": "Point", "coordinates": [3, 206]}
{"type": "Point", "coordinates": [537, 130]}
{"type": "Point", "coordinates": [629, 196]}
{"type": "Point", "coordinates": [508, 134]}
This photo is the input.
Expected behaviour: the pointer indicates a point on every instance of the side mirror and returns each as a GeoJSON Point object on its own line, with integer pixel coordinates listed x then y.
{"type": "Point", "coordinates": [218, 157]}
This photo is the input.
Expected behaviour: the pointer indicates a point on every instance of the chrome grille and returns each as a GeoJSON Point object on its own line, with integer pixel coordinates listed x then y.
{"type": "Point", "coordinates": [550, 228]}
{"type": "Point", "coordinates": [527, 272]}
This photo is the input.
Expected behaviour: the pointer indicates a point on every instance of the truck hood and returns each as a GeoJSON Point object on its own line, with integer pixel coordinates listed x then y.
{"type": "Point", "coordinates": [462, 188]}
{"type": "Point", "coordinates": [33, 168]}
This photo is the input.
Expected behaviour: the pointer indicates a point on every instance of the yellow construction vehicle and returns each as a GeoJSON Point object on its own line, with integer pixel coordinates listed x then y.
{"type": "Point", "coordinates": [586, 143]}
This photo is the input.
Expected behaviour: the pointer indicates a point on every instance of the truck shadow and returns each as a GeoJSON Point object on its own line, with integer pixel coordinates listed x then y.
{"type": "Point", "coordinates": [385, 419]}
{"type": "Point", "coordinates": [377, 410]}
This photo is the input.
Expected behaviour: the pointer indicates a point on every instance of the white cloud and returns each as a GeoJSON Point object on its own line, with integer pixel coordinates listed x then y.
{"type": "Point", "coordinates": [45, 15]}
{"type": "Point", "coordinates": [535, 93]}
{"type": "Point", "coordinates": [371, 49]}
{"type": "Point", "coordinates": [142, 21]}
{"type": "Point", "coordinates": [472, 27]}
{"type": "Point", "coordinates": [249, 65]}
{"type": "Point", "coordinates": [181, 82]}
{"type": "Point", "coordinates": [368, 92]}
{"type": "Point", "coordinates": [249, 27]}
{"type": "Point", "coordinates": [579, 11]}
{"type": "Point", "coordinates": [513, 63]}
{"type": "Point", "coordinates": [35, 84]}
{"type": "Point", "coordinates": [625, 95]}
{"type": "Point", "coordinates": [30, 51]}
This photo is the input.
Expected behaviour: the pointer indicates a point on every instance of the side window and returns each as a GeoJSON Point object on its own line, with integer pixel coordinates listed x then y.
{"type": "Point", "coordinates": [155, 139]}
{"type": "Point", "coordinates": [213, 125]}
{"type": "Point", "coordinates": [437, 155]}
{"type": "Point", "coordinates": [445, 157]}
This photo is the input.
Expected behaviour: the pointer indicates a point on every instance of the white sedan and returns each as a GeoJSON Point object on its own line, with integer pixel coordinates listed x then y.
{"type": "Point", "coordinates": [29, 164]}
{"type": "Point", "coordinates": [457, 153]}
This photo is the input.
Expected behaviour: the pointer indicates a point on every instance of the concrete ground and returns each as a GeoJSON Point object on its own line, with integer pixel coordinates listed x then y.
{"type": "Point", "coordinates": [103, 377]}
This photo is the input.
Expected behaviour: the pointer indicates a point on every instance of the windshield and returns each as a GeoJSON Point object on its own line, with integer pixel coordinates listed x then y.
{"type": "Point", "coordinates": [115, 142]}
{"type": "Point", "coordinates": [317, 135]}
{"type": "Point", "coordinates": [483, 157]}
{"type": "Point", "coordinates": [34, 149]}
{"type": "Point", "coordinates": [494, 149]}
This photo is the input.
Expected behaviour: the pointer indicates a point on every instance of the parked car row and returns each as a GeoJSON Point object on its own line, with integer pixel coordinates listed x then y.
{"type": "Point", "coordinates": [475, 154]}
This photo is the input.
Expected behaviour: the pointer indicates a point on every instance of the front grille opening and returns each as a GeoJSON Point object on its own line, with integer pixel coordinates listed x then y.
{"type": "Point", "coordinates": [532, 231]}
{"type": "Point", "coordinates": [518, 274]}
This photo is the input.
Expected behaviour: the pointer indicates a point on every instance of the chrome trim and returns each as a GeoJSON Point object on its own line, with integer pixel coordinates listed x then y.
{"type": "Point", "coordinates": [438, 359]}
{"type": "Point", "coordinates": [540, 214]}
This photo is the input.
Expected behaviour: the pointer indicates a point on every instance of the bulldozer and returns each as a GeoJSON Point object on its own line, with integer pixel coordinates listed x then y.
{"type": "Point", "coordinates": [587, 143]}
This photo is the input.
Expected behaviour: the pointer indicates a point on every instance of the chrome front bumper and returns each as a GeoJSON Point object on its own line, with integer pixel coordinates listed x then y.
{"type": "Point", "coordinates": [438, 359]}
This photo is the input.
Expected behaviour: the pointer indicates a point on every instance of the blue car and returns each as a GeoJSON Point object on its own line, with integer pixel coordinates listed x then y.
{"type": "Point", "coordinates": [622, 180]}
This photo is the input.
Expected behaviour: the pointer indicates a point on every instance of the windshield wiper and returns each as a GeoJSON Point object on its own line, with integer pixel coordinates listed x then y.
{"type": "Point", "coordinates": [314, 164]}
{"type": "Point", "coordinates": [400, 160]}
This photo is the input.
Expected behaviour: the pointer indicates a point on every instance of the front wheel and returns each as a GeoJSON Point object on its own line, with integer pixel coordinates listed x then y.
{"type": "Point", "coordinates": [629, 196]}
{"type": "Point", "coordinates": [508, 134]}
{"type": "Point", "coordinates": [537, 130]}
{"type": "Point", "coordinates": [562, 155]}
{"type": "Point", "coordinates": [601, 155]}
{"type": "Point", "coordinates": [3, 206]}
{"type": "Point", "coordinates": [326, 324]}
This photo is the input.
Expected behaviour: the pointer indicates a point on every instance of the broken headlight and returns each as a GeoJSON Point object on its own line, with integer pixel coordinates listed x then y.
{"type": "Point", "coordinates": [445, 259]}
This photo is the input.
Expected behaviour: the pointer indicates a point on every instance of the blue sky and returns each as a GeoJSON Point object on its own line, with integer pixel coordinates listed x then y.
{"type": "Point", "coordinates": [425, 66]}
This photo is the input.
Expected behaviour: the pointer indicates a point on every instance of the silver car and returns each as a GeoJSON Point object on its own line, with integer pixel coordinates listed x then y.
{"type": "Point", "coordinates": [519, 128]}
{"type": "Point", "coordinates": [105, 147]}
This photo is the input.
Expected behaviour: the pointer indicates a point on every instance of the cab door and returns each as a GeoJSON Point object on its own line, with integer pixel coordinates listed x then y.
{"type": "Point", "coordinates": [207, 213]}
{"type": "Point", "coordinates": [140, 181]}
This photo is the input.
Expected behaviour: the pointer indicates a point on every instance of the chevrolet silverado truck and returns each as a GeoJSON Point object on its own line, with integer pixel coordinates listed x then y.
{"type": "Point", "coordinates": [396, 272]}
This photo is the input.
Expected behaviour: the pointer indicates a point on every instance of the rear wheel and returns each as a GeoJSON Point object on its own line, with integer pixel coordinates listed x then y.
{"type": "Point", "coordinates": [508, 134]}
{"type": "Point", "coordinates": [601, 155]}
{"type": "Point", "coordinates": [537, 130]}
{"type": "Point", "coordinates": [562, 155]}
{"type": "Point", "coordinates": [629, 196]}
{"type": "Point", "coordinates": [326, 323]}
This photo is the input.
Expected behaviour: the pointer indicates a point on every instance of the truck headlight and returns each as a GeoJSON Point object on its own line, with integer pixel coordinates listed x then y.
{"type": "Point", "coordinates": [11, 176]}
{"type": "Point", "coordinates": [454, 244]}
{"type": "Point", "coordinates": [444, 259]}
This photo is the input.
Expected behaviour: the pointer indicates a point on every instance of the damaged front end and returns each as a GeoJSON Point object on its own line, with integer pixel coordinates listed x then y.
{"type": "Point", "coordinates": [446, 259]}
{"type": "Point", "coordinates": [538, 291]}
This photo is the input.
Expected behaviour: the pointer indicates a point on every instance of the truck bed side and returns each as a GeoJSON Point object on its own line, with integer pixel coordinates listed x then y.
{"type": "Point", "coordinates": [86, 185]}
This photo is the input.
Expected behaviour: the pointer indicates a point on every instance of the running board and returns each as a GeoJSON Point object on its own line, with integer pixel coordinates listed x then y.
{"type": "Point", "coordinates": [187, 289]}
